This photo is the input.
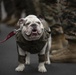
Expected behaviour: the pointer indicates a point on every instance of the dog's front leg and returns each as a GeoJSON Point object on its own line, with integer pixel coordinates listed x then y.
{"type": "Point", "coordinates": [21, 59]}
{"type": "Point", "coordinates": [42, 59]}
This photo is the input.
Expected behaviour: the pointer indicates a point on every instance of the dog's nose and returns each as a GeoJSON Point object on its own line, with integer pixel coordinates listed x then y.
{"type": "Point", "coordinates": [34, 26]}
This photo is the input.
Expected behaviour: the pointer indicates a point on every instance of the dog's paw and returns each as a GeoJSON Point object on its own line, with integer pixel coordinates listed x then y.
{"type": "Point", "coordinates": [21, 67]}
{"type": "Point", "coordinates": [41, 68]}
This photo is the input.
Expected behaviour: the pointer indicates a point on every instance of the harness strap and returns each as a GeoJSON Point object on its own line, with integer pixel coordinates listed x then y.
{"type": "Point", "coordinates": [42, 58]}
{"type": "Point", "coordinates": [21, 58]}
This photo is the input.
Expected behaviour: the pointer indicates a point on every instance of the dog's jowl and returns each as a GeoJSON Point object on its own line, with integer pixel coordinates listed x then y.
{"type": "Point", "coordinates": [33, 37]}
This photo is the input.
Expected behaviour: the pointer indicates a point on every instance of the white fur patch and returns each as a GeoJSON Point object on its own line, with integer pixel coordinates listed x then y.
{"type": "Point", "coordinates": [41, 68]}
{"type": "Point", "coordinates": [48, 62]}
{"type": "Point", "coordinates": [20, 67]}
{"type": "Point", "coordinates": [21, 52]}
{"type": "Point", "coordinates": [44, 49]}
{"type": "Point", "coordinates": [27, 59]}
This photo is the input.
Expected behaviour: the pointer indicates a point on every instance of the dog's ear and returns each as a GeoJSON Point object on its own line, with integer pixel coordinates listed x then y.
{"type": "Point", "coordinates": [20, 22]}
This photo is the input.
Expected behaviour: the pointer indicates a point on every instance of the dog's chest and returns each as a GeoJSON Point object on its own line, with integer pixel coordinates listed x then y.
{"type": "Point", "coordinates": [30, 46]}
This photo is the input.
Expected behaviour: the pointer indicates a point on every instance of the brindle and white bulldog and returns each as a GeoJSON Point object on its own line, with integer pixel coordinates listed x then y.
{"type": "Point", "coordinates": [33, 37]}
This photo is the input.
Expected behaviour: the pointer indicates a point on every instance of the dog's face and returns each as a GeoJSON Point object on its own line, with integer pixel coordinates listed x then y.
{"type": "Point", "coordinates": [31, 27]}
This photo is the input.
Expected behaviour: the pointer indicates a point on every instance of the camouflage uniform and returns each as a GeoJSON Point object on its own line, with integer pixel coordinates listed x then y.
{"type": "Point", "coordinates": [68, 19]}
{"type": "Point", "coordinates": [69, 25]}
{"type": "Point", "coordinates": [50, 11]}
{"type": "Point", "coordinates": [69, 16]}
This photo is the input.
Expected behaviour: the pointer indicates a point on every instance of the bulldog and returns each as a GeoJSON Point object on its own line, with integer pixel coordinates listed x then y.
{"type": "Point", "coordinates": [33, 37]}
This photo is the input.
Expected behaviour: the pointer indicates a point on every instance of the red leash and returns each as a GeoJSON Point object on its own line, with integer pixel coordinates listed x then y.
{"type": "Point", "coordinates": [8, 36]}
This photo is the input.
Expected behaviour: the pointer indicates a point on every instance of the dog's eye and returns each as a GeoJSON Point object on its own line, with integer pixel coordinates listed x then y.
{"type": "Point", "coordinates": [27, 23]}
{"type": "Point", "coordinates": [38, 22]}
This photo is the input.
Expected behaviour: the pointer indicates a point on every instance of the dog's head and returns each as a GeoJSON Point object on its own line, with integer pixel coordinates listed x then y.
{"type": "Point", "coordinates": [31, 27]}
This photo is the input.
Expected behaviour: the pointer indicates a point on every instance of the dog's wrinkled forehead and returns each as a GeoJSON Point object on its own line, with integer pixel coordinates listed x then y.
{"type": "Point", "coordinates": [31, 19]}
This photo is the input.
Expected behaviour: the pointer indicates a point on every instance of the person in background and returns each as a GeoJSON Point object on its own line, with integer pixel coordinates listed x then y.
{"type": "Point", "coordinates": [0, 10]}
{"type": "Point", "coordinates": [9, 9]}
{"type": "Point", "coordinates": [22, 5]}
{"type": "Point", "coordinates": [68, 21]}
{"type": "Point", "coordinates": [69, 16]}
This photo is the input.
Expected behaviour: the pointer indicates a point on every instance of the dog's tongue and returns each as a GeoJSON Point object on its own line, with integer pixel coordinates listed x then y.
{"type": "Point", "coordinates": [34, 33]}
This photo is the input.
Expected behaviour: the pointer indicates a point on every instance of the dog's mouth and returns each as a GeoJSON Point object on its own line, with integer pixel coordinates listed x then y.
{"type": "Point", "coordinates": [34, 32]}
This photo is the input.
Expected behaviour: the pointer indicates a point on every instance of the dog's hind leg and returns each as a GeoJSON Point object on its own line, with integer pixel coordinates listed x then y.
{"type": "Point", "coordinates": [21, 59]}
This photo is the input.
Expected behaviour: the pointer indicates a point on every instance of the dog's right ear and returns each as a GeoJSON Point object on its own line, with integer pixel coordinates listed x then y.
{"type": "Point", "coordinates": [20, 22]}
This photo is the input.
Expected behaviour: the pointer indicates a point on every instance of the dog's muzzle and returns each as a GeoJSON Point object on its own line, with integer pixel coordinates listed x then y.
{"type": "Point", "coordinates": [34, 26]}
{"type": "Point", "coordinates": [34, 31]}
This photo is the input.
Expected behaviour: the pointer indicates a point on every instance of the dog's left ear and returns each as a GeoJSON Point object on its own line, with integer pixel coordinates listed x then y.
{"type": "Point", "coordinates": [20, 22]}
